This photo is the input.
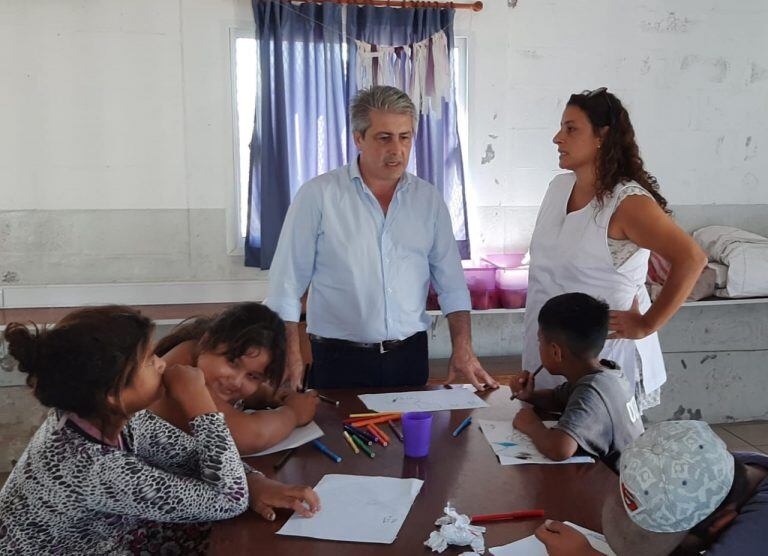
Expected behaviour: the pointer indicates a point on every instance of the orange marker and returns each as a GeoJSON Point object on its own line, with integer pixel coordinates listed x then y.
{"type": "Point", "coordinates": [381, 433]}
{"type": "Point", "coordinates": [379, 439]}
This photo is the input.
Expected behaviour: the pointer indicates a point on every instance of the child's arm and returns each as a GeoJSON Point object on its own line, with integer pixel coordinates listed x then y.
{"type": "Point", "coordinates": [125, 484]}
{"type": "Point", "coordinates": [562, 540]}
{"type": "Point", "coordinates": [257, 431]}
{"type": "Point", "coordinates": [524, 388]}
{"type": "Point", "coordinates": [554, 444]}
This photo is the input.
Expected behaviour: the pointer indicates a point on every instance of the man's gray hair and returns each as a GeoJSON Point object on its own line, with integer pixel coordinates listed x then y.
{"type": "Point", "coordinates": [379, 97]}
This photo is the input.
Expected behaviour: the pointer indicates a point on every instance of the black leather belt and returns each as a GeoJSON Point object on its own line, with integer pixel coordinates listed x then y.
{"type": "Point", "coordinates": [381, 347]}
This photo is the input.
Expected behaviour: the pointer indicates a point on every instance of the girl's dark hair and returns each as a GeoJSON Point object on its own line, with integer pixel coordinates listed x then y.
{"type": "Point", "coordinates": [88, 355]}
{"type": "Point", "coordinates": [619, 156]}
{"type": "Point", "coordinates": [238, 329]}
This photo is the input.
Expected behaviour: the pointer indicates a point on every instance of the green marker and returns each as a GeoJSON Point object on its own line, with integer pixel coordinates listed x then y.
{"type": "Point", "coordinates": [363, 447]}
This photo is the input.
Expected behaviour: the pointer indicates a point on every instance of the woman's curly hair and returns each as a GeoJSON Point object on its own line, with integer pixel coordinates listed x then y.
{"type": "Point", "coordinates": [619, 158]}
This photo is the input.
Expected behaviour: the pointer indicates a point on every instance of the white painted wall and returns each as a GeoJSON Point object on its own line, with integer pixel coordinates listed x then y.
{"type": "Point", "coordinates": [126, 105]}
{"type": "Point", "coordinates": [693, 73]}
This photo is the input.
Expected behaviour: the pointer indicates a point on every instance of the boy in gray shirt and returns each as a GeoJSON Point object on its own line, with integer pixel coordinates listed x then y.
{"type": "Point", "coordinates": [599, 412]}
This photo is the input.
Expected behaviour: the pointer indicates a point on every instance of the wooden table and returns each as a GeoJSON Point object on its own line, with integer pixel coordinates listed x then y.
{"type": "Point", "coordinates": [463, 470]}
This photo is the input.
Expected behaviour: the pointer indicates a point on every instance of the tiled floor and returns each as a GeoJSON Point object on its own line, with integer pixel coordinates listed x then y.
{"type": "Point", "coordinates": [748, 437]}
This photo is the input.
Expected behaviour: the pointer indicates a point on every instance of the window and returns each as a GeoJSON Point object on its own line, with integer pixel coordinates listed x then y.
{"type": "Point", "coordinates": [245, 80]}
{"type": "Point", "coordinates": [245, 85]}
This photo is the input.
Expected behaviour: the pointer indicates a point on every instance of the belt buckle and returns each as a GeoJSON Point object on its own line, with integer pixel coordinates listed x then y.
{"type": "Point", "coordinates": [381, 348]}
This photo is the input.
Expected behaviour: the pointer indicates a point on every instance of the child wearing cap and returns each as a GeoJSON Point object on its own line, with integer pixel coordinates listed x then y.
{"type": "Point", "coordinates": [599, 412]}
{"type": "Point", "coordinates": [680, 492]}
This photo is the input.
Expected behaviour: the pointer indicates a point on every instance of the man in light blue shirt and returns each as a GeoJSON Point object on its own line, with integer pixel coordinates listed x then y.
{"type": "Point", "coordinates": [367, 239]}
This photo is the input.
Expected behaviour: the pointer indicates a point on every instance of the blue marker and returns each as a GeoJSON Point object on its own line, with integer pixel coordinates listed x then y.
{"type": "Point", "coordinates": [324, 449]}
{"type": "Point", "coordinates": [464, 424]}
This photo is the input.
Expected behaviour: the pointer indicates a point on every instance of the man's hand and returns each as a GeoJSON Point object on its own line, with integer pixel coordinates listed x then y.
{"type": "Point", "coordinates": [303, 405]}
{"type": "Point", "coordinates": [265, 495]}
{"type": "Point", "coordinates": [526, 420]}
{"type": "Point", "coordinates": [293, 375]}
{"type": "Point", "coordinates": [465, 362]}
{"type": "Point", "coordinates": [562, 540]}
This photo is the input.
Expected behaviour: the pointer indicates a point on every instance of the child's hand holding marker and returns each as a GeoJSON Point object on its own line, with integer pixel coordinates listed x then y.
{"type": "Point", "coordinates": [522, 384]}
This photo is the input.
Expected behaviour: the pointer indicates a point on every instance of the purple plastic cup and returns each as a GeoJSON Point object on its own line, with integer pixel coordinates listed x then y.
{"type": "Point", "coordinates": [417, 429]}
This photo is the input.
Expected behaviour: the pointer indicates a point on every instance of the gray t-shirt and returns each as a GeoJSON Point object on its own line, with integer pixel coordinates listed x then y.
{"type": "Point", "coordinates": [600, 413]}
{"type": "Point", "coordinates": [748, 534]}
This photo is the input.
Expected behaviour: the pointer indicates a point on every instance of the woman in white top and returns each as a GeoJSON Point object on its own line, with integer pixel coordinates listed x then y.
{"type": "Point", "coordinates": [596, 227]}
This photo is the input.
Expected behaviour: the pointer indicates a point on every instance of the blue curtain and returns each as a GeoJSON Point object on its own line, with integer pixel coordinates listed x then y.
{"type": "Point", "coordinates": [304, 100]}
{"type": "Point", "coordinates": [301, 127]}
{"type": "Point", "coordinates": [437, 150]}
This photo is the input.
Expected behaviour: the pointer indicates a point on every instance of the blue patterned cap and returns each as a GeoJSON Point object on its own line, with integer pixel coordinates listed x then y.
{"type": "Point", "coordinates": [675, 475]}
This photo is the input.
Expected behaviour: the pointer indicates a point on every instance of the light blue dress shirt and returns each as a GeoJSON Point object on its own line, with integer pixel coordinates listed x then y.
{"type": "Point", "coordinates": [369, 273]}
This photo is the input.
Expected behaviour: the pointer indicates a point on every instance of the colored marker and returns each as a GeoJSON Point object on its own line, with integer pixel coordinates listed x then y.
{"type": "Point", "coordinates": [350, 442]}
{"type": "Point", "coordinates": [526, 514]}
{"type": "Point", "coordinates": [374, 420]}
{"type": "Point", "coordinates": [358, 416]}
{"type": "Point", "coordinates": [363, 447]}
{"type": "Point", "coordinates": [380, 432]}
{"type": "Point", "coordinates": [379, 440]}
{"type": "Point", "coordinates": [398, 434]}
{"type": "Point", "coordinates": [326, 399]}
{"type": "Point", "coordinates": [324, 449]}
{"type": "Point", "coordinates": [283, 460]}
{"type": "Point", "coordinates": [366, 436]}
{"type": "Point", "coordinates": [537, 371]}
{"type": "Point", "coordinates": [464, 424]}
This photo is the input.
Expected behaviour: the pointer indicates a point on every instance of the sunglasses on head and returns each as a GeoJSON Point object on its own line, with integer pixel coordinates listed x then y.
{"type": "Point", "coordinates": [602, 91]}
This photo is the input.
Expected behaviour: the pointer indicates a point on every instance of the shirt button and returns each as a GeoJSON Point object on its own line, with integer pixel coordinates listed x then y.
{"type": "Point", "coordinates": [389, 290]}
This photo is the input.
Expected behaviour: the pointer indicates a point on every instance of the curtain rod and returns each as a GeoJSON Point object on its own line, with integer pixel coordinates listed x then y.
{"type": "Point", "coordinates": [474, 6]}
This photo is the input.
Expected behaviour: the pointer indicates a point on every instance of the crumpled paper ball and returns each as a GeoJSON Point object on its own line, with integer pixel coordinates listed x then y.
{"type": "Point", "coordinates": [456, 530]}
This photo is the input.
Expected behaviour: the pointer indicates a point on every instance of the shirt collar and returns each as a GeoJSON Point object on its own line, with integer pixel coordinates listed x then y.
{"type": "Point", "coordinates": [354, 175]}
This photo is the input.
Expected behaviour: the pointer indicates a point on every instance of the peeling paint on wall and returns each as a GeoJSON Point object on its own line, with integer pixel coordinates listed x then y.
{"type": "Point", "coordinates": [758, 73]}
{"type": "Point", "coordinates": [490, 154]}
{"type": "Point", "coordinates": [673, 23]}
{"type": "Point", "coordinates": [751, 149]}
{"type": "Point", "coordinates": [10, 277]}
{"type": "Point", "coordinates": [512, 3]}
{"type": "Point", "coordinates": [719, 66]}
{"type": "Point", "coordinates": [693, 414]}
{"type": "Point", "coordinates": [750, 180]}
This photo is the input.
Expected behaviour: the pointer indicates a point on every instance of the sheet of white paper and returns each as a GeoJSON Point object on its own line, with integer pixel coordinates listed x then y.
{"type": "Point", "coordinates": [531, 546]}
{"type": "Point", "coordinates": [299, 436]}
{"type": "Point", "coordinates": [357, 509]}
{"type": "Point", "coordinates": [429, 400]}
{"type": "Point", "coordinates": [512, 447]}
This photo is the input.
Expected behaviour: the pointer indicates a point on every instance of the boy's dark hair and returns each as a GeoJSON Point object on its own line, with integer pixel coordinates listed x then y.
{"type": "Point", "coordinates": [88, 355]}
{"type": "Point", "coordinates": [242, 327]}
{"type": "Point", "coordinates": [577, 321]}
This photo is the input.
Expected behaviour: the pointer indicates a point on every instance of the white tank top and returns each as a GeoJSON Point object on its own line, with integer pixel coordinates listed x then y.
{"type": "Point", "coordinates": [570, 253]}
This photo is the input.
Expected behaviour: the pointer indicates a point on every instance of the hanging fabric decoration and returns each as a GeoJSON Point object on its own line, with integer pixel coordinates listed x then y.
{"type": "Point", "coordinates": [422, 69]}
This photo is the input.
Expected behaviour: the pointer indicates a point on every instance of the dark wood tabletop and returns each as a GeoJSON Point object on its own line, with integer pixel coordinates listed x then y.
{"type": "Point", "coordinates": [461, 470]}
